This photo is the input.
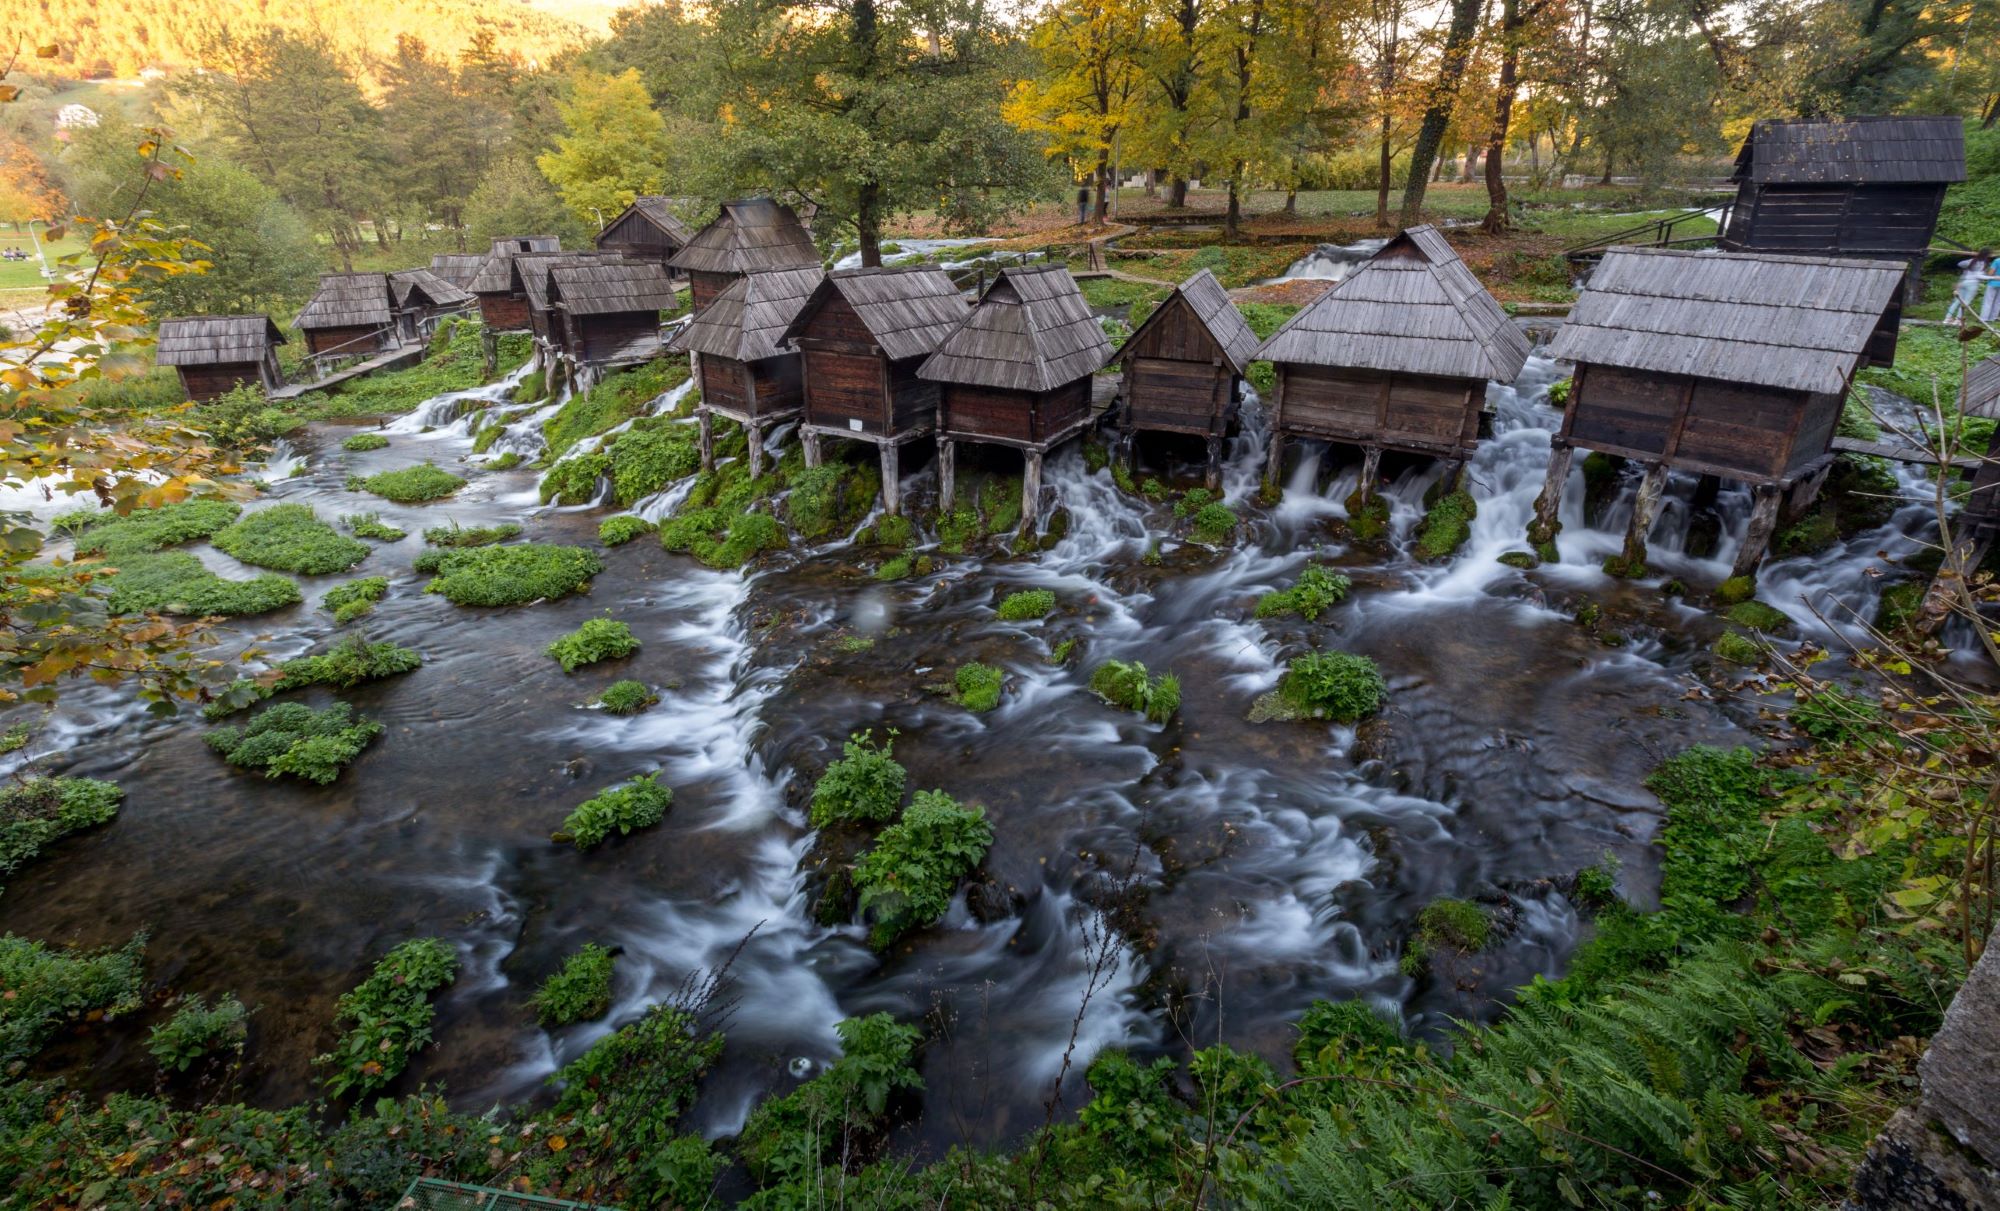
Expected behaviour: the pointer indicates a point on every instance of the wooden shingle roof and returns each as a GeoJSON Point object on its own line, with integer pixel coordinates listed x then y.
{"type": "Point", "coordinates": [749, 236]}
{"type": "Point", "coordinates": [458, 268]}
{"type": "Point", "coordinates": [348, 300]}
{"type": "Point", "coordinates": [1870, 151]}
{"type": "Point", "coordinates": [1981, 395]}
{"type": "Point", "coordinates": [496, 272]}
{"type": "Point", "coordinates": [1212, 306]}
{"type": "Point", "coordinates": [1796, 323]}
{"type": "Point", "coordinates": [1412, 308]}
{"type": "Point", "coordinates": [908, 311]}
{"type": "Point", "coordinates": [216, 340]}
{"type": "Point", "coordinates": [604, 288]}
{"type": "Point", "coordinates": [532, 269]}
{"type": "Point", "coordinates": [748, 320]}
{"type": "Point", "coordinates": [655, 211]}
{"type": "Point", "coordinates": [1030, 331]}
{"type": "Point", "coordinates": [431, 288]}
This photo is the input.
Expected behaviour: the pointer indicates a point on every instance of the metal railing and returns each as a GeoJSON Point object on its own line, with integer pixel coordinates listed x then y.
{"type": "Point", "coordinates": [1658, 233]}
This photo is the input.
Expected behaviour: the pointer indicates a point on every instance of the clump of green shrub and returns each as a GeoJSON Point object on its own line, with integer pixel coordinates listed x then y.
{"type": "Point", "coordinates": [1349, 1026]}
{"type": "Point", "coordinates": [1027, 605]}
{"type": "Point", "coordinates": [978, 687]}
{"type": "Point", "coordinates": [101, 532]}
{"type": "Point", "coordinates": [580, 992]}
{"type": "Point", "coordinates": [1062, 651]}
{"type": "Point", "coordinates": [371, 525]}
{"type": "Point", "coordinates": [616, 398]}
{"type": "Point", "coordinates": [503, 576]}
{"type": "Point", "coordinates": [175, 582]}
{"type": "Point", "coordinates": [574, 480]}
{"type": "Point", "coordinates": [408, 485]}
{"type": "Point", "coordinates": [889, 530]}
{"type": "Point", "coordinates": [388, 1017]}
{"type": "Point", "coordinates": [37, 811]}
{"type": "Point", "coordinates": [1213, 524]}
{"type": "Point", "coordinates": [455, 535]}
{"type": "Point", "coordinates": [45, 988]}
{"type": "Point", "coordinates": [290, 538]}
{"type": "Point", "coordinates": [292, 738]}
{"type": "Point", "coordinates": [722, 539]}
{"type": "Point", "coordinates": [907, 880]}
{"type": "Point", "coordinates": [1367, 521]}
{"type": "Point", "coordinates": [361, 443]}
{"type": "Point", "coordinates": [1315, 591]}
{"type": "Point", "coordinates": [648, 457]}
{"type": "Point", "coordinates": [824, 497]}
{"type": "Point", "coordinates": [1128, 685]}
{"type": "Point", "coordinates": [864, 784]}
{"type": "Point", "coordinates": [1446, 526]}
{"type": "Point", "coordinates": [790, 1141]}
{"type": "Point", "coordinates": [197, 1031]}
{"type": "Point", "coordinates": [640, 803]}
{"type": "Point", "coordinates": [352, 661]}
{"type": "Point", "coordinates": [627, 697]}
{"type": "Point", "coordinates": [504, 462]}
{"type": "Point", "coordinates": [1738, 648]}
{"type": "Point", "coordinates": [351, 600]}
{"type": "Point", "coordinates": [629, 1091]}
{"type": "Point", "coordinates": [597, 639]}
{"type": "Point", "coordinates": [619, 530]}
{"type": "Point", "coordinates": [1193, 501]}
{"type": "Point", "coordinates": [1736, 589]}
{"type": "Point", "coordinates": [1445, 925]}
{"type": "Point", "coordinates": [1758, 617]}
{"type": "Point", "coordinates": [1340, 686]}
{"type": "Point", "coordinates": [1834, 715]}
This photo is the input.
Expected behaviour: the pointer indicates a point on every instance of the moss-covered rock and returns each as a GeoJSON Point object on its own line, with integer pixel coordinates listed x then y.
{"type": "Point", "coordinates": [1367, 522]}
{"type": "Point", "coordinates": [1735, 590]}
{"type": "Point", "coordinates": [1446, 526]}
{"type": "Point", "coordinates": [1757, 616]}
{"type": "Point", "coordinates": [1737, 648]}
{"type": "Point", "coordinates": [1900, 605]}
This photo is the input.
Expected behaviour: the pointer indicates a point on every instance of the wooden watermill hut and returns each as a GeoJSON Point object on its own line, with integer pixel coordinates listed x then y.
{"type": "Point", "coordinates": [755, 235]}
{"type": "Point", "coordinates": [503, 304]}
{"type": "Point", "coordinates": [215, 354]}
{"type": "Point", "coordinates": [608, 314]}
{"type": "Point", "coordinates": [861, 336]}
{"type": "Point", "coordinates": [647, 230]}
{"type": "Point", "coordinates": [742, 369]}
{"type": "Point", "coordinates": [1017, 373]}
{"type": "Point", "coordinates": [1726, 364]}
{"type": "Point", "coordinates": [458, 268]}
{"type": "Point", "coordinates": [350, 315]}
{"type": "Point", "coordinates": [1397, 357]}
{"type": "Point", "coordinates": [1182, 369]}
{"type": "Point", "coordinates": [532, 270]}
{"type": "Point", "coordinates": [422, 298]}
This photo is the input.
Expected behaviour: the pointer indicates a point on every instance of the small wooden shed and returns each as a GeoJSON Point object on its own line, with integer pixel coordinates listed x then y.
{"type": "Point", "coordinates": [1182, 369]}
{"type": "Point", "coordinates": [1396, 357]}
{"type": "Point", "coordinates": [647, 230]}
{"type": "Point", "coordinates": [422, 298]}
{"type": "Point", "coordinates": [1730, 364]}
{"type": "Point", "coordinates": [1017, 373]}
{"type": "Point", "coordinates": [743, 370]}
{"type": "Point", "coordinates": [215, 354]}
{"type": "Point", "coordinates": [755, 235]}
{"type": "Point", "coordinates": [532, 271]}
{"type": "Point", "coordinates": [861, 336]}
{"type": "Point", "coordinates": [1981, 397]}
{"type": "Point", "coordinates": [458, 268]}
{"type": "Point", "coordinates": [350, 315]}
{"type": "Point", "coordinates": [503, 305]}
{"type": "Point", "coordinates": [608, 313]}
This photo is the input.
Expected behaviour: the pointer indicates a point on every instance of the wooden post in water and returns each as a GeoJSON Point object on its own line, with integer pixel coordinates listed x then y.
{"type": "Point", "coordinates": [1031, 490]}
{"type": "Point", "coordinates": [489, 349]}
{"type": "Point", "coordinates": [810, 441]}
{"type": "Point", "coordinates": [1371, 467]}
{"type": "Point", "coordinates": [705, 423]}
{"type": "Point", "coordinates": [1213, 478]}
{"type": "Point", "coordinates": [947, 473]}
{"type": "Point", "coordinates": [1645, 509]}
{"type": "Point", "coordinates": [756, 436]}
{"type": "Point", "coordinates": [1274, 469]}
{"type": "Point", "coordinates": [892, 478]}
{"type": "Point", "coordinates": [1548, 506]}
{"type": "Point", "coordinates": [1763, 523]}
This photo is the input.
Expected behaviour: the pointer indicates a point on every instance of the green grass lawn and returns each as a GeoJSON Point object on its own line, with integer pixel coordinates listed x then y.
{"type": "Point", "coordinates": [17, 275]}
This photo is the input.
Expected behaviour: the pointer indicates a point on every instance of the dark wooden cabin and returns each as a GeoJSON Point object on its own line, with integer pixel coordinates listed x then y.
{"type": "Point", "coordinates": [503, 305]}
{"type": "Point", "coordinates": [1726, 364]}
{"type": "Point", "coordinates": [647, 230]}
{"type": "Point", "coordinates": [609, 314]}
{"type": "Point", "coordinates": [531, 271]}
{"type": "Point", "coordinates": [423, 298]}
{"type": "Point", "coordinates": [743, 371]}
{"type": "Point", "coordinates": [1182, 369]}
{"type": "Point", "coordinates": [756, 235]}
{"type": "Point", "coordinates": [350, 315]}
{"type": "Point", "coordinates": [215, 354]}
{"type": "Point", "coordinates": [458, 268]}
{"type": "Point", "coordinates": [1853, 187]}
{"type": "Point", "coordinates": [1395, 358]}
{"type": "Point", "coordinates": [1017, 373]}
{"type": "Point", "coordinates": [861, 336]}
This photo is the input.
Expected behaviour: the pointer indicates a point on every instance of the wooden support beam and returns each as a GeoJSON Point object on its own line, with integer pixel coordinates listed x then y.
{"type": "Point", "coordinates": [947, 472]}
{"type": "Point", "coordinates": [756, 434]}
{"type": "Point", "coordinates": [1371, 467]}
{"type": "Point", "coordinates": [1212, 478]}
{"type": "Point", "coordinates": [1763, 523]}
{"type": "Point", "coordinates": [1031, 492]}
{"type": "Point", "coordinates": [489, 350]}
{"type": "Point", "coordinates": [705, 423]}
{"type": "Point", "coordinates": [810, 441]}
{"type": "Point", "coordinates": [1802, 494]}
{"type": "Point", "coordinates": [1645, 510]}
{"type": "Point", "coordinates": [892, 478]}
{"type": "Point", "coordinates": [1548, 506]}
{"type": "Point", "coordinates": [1274, 467]}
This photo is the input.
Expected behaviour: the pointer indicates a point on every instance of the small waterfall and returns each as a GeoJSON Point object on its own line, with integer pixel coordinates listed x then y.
{"type": "Point", "coordinates": [1329, 262]}
{"type": "Point", "coordinates": [283, 460]}
{"type": "Point", "coordinates": [443, 414]}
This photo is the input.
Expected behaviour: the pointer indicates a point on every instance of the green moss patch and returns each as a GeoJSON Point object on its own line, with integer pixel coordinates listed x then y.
{"type": "Point", "coordinates": [1128, 685]}
{"type": "Point", "coordinates": [361, 443]}
{"type": "Point", "coordinates": [1446, 526]}
{"type": "Point", "coordinates": [176, 583]}
{"type": "Point", "coordinates": [408, 485]}
{"type": "Point", "coordinates": [978, 687]}
{"type": "Point", "coordinates": [720, 538]}
{"type": "Point", "coordinates": [146, 530]}
{"type": "Point", "coordinates": [831, 498]}
{"type": "Point", "coordinates": [597, 639]}
{"type": "Point", "coordinates": [371, 525]}
{"type": "Point", "coordinates": [1213, 525]}
{"type": "Point", "coordinates": [357, 597]}
{"type": "Point", "coordinates": [1735, 590]}
{"type": "Point", "coordinates": [1316, 591]}
{"type": "Point", "coordinates": [1369, 521]}
{"type": "Point", "coordinates": [291, 538]}
{"type": "Point", "coordinates": [351, 662]}
{"type": "Point", "coordinates": [619, 530]}
{"type": "Point", "coordinates": [36, 812]}
{"type": "Point", "coordinates": [1900, 605]}
{"type": "Point", "coordinates": [455, 535]}
{"type": "Point", "coordinates": [627, 698]}
{"type": "Point", "coordinates": [1027, 605]}
{"type": "Point", "coordinates": [292, 738]}
{"type": "Point", "coordinates": [503, 576]}
{"type": "Point", "coordinates": [618, 398]}
{"type": "Point", "coordinates": [1758, 617]}
{"type": "Point", "coordinates": [1738, 648]}
{"type": "Point", "coordinates": [1458, 926]}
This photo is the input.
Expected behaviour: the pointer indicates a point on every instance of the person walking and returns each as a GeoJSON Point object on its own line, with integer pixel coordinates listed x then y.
{"type": "Point", "coordinates": [1972, 274]}
{"type": "Point", "coordinates": [1082, 205]}
{"type": "Point", "coordinates": [1989, 311]}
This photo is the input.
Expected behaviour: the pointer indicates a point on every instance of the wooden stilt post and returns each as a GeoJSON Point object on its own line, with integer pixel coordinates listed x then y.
{"type": "Point", "coordinates": [705, 423]}
{"type": "Point", "coordinates": [1128, 451]}
{"type": "Point", "coordinates": [1548, 506]}
{"type": "Point", "coordinates": [1763, 523]}
{"type": "Point", "coordinates": [892, 478]}
{"type": "Point", "coordinates": [1452, 475]}
{"type": "Point", "coordinates": [489, 349]}
{"type": "Point", "coordinates": [1800, 497]}
{"type": "Point", "coordinates": [1968, 548]}
{"type": "Point", "coordinates": [1213, 478]}
{"type": "Point", "coordinates": [1371, 467]}
{"type": "Point", "coordinates": [947, 472]}
{"type": "Point", "coordinates": [810, 441]}
{"type": "Point", "coordinates": [1645, 510]}
{"type": "Point", "coordinates": [1274, 468]}
{"type": "Point", "coordinates": [756, 435]}
{"type": "Point", "coordinates": [1031, 491]}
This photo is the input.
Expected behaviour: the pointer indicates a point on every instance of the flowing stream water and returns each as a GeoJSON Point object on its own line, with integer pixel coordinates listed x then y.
{"type": "Point", "coordinates": [1248, 868]}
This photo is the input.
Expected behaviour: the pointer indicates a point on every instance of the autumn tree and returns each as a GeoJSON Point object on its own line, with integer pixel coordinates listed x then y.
{"type": "Point", "coordinates": [1087, 90]}
{"type": "Point", "coordinates": [1440, 99]}
{"type": "Point", "coordinates": [27, 190]}
{"type": "Point", "coordinates": [613, 146]}
{"type": "Point", "coordinates": [513, 198]}
{"type": "Point", "coordinates": [1174, 47]}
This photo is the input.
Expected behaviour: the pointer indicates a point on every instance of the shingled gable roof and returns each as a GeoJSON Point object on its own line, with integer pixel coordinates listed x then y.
{"type": "Point", "coordinates": [1031, 331]}
{"type": "Point", "coordinates": [1860, 151]}
{"type": "Point", "coordinates": [1981, 395]}
{"type": "Point", "coordinates": [657, 211]}
{"type": "Point", "coordinates": [606, 288]}
{"type": "Point", "coordinates": [1412, 308]}
{"type": "Point", "coordinates": [1211, 305]}
{"type": "Point", "coordinates": [747, 320]}
{"type": "Point", "coordinates": [1795, 323]}
{"type": "Point", "coordinates": [216, 340]}
{"type": "Point", "coordinates": [458, 268]}
{"type": "Point", "coordinates": [496, 272]}
{"type": "Point", "coordinates": [532, 269]}
{"type": "Point", "coordinates": [348, 300]}
{"type": "Point", "coordinates": [908, 310]}
{"type": "Point", "coordinates": [431, 286]}
{"type": "Point", "coordinates": [750, 236]}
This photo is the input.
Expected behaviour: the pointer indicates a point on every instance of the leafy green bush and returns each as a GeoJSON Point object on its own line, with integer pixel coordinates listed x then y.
{"type": "Point", "coordinates": [1351, 1026]}
{"type": "Point", "coordinates": [1446, 526]}
{"type": "Point", "coordinates": [721, 539]}
{"type": "Point", "coordinates": [580, 992]}
{"type": "Point", "coordinates": [789, 1141]}
{"type": "Point", "coordinates": [615, 399]}
{"type": "Point", "coordinates": [45, 988]}
{"type": "Point", "coordinates": [1128, 685]}
{"type": "Point", "coordinates": [100, 532]}
{"type": "Point", "coordinates": [292, 738]}
{"type": "Point", "coordinates": [624, 1096]}
{"type": "Point", "coordinates": [648, 457]}
{"type": "Point", "coordinates": [408, 485]}
{"type": "Point", "coordinates": [1026, 605]}
{"type": "Point", "coordinates": [243, 419]}
{"type": "Point", "coordinates": [351, 600]}
{"type": "Point", "coordinates": [371, 525]}
{"type": "Point", "coordinates": [1315, 591]}
{"type": "Point", "coordinates": [865, 783]}
{"type": "Point", "coordinates": [361, 443]}
{"type": "Point", "coordinates": [820, 498]}
{"type": "Point", "coordinates": [1213, 524]}
{"type": "Point", "coordinates": [175, 582]}
{"type": "Point", "coordinates": [455, 535]}
{"type": "Point", "coordinates": [978, 687]}
{"type": "Point", "coordinates": [907, 880]}
{"type": "Point", "coordinates": [619, 530]}
{"type": "Point", "coordinates": [1834, 715]}
{"type": "Point", "coordinates": [37, 811]}
{"type": "Point", "coordinates": [627, 697]}
{"type": "Point", "coordinates": [502, 576]}
{"type": "Point", "coordinates": [197, 1031]}
{"type": "Point", "coordinates": [597, 639]}
{"type": "Point", "coordinates": [574, 480]}
{"type": "Point", "coordinates": [640, 803]}
{"type": "Point", "coordinates": [1457, 925]}
{"type": "Point", "coordinates": [350, 662]}
{"type": "Point", "coordinates": [388, 1017]}
{"type": "Point", "coordinates": [1340, 686]}
{"type": "Point", "coordinates": [291, 538]}
{"type": "Point", "coordinates": [1193, 501]}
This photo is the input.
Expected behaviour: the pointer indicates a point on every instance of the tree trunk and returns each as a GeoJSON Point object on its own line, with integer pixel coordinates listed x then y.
{"type": "Point", "coordinates": [868, 223]}
{"type": "Point", "coordinates": [1232, 220]}
{"type": "Point", "coordinates": [1606, 178]}
{"type": "Point", "coordinates": [1292, 202]}
{"type": "Point", "coordinates": [1471, 164]}
{"type": "Point", "coordinates": [1437, 114]}
{"type": "Point", "coordinates": [1101, 212]}
{"type": "Point", "coordinates": [1384, 169]}
{"type": "Point", "coordinates": [1992, 113]}
{"type": "Point", "coordinates": [1177, 193]}
{"type": "Point", "coordinates": [1503, 113]}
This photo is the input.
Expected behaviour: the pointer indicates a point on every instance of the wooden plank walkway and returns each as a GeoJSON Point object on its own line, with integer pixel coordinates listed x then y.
{"type": "Point", "coordinates": [391, 360]}
{"type": "Point", "coordinates": [1898, 453]}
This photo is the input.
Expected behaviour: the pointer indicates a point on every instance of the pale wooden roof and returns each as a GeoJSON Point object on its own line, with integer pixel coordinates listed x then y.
{"type": "Point", "coordinates": [496, 272]}
{"type": "Point", "coordinates": [1031, 331]}
{"type": "Point", "coordinates": [348, 300]}
{"type": "Point", "coordinates": [655, 211]}
{"type": "Point", "coordinates": [748, 320]}
{"type": "Point", "coordinates": [532, 269]}
{"type": "Point", "coordinates": [749, 236]}
{"type": "Point", "coordinates": [431, 286]}
{"type": "Point", "coordinates": [604, 288]}
{"type": "Point", "coordinates": [458, 268]}
{"type": "Point", "coordinates": [216, 340]}
{"type": "Point", "coordinates": [1981, 396]}
{"type": "Point", "coordinates": [908, 310]}
{"type": "Point", "coordinates": [1211, 305]}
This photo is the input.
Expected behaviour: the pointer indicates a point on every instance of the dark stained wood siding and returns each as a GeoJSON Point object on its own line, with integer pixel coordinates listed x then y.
{"type": "Point", "coordinates": [777, 382]}
{"type": "Point", "coordinates": [619, 336]}
{"type": "Point", "coordinates": [703, 286]}
{"type": "Point", "coordinates": [357, 341]}
{"type": "Point", "coordinates": [1815, 432]}
{"type": "Point", "coordinates": [1177, 396]}
{"type": "Point", "coordinates": [207, 382]}
{"type": "Point", "coordinates": [841, 388]}
{"type": "Point", "coordinates": [1627, 411]}
{"type": "Point", "coordinates": [1835, 218]}
{"type": "Point", "coordinates": [723, 384]}
{"type": "Point", "coordinates": [916, 399]}
{"type": "Point", "coordinates": [1025, 418]}
{"type": "Point", "coordinates": [1176, 333]}
{"type": "Point", "coordinates": [504, 312]}
{"type": "Point", "coordinates": [1741, 432]}
{"type": "Point", "coordinates": [632, 236]}
{"type": "Point", "coordinates": [1415, 413]}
